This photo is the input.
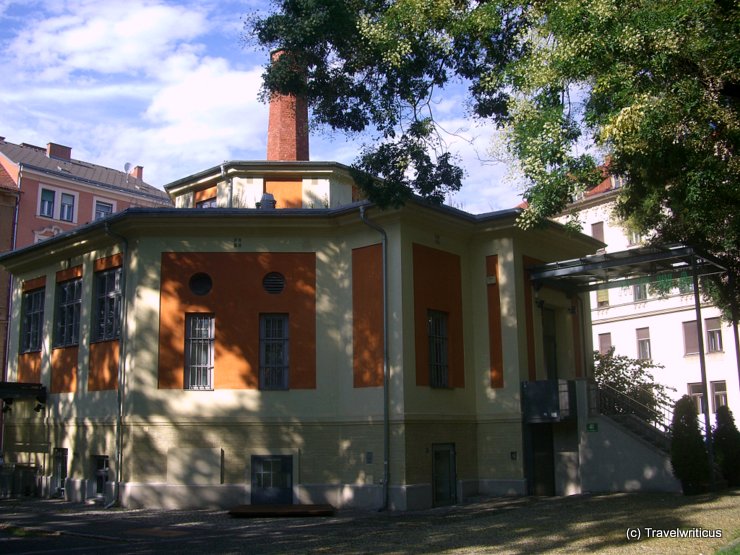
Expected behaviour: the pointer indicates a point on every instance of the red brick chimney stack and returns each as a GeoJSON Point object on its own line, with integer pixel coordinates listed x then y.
{"type": "Point", "coordinates": [138, 172]}
{"type": "Point", "coordinates": [59, 152]}
{"type": "Point", "coordinates": [287, 130]}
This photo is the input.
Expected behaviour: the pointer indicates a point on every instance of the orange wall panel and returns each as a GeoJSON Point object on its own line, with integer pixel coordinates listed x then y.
{"type": "Point", "coordinates": [438, 286]}
{"type": "Point", "coordinates": [70, 273]}
{"type": "Point", "coordinates": [237, 298]}
{"type": "Point", "coordinates": [367, 316]}
{"type": "Point", "coordinates": [64, 370]}
{"type": "Point", "coordinates": [206, 194]}
{"type": "Point", "coordinates": [288, 193]}
{"type": "Point", "coordinates": [36, 283]}
{"type": "Point", "coordinates": [103, 368]}
{"type": "Point", "coordinates": [29, 367]}
{"type": "Point", "coordinates": [108, 262]}
{"type": "Point", "coordinates": [496, 351]}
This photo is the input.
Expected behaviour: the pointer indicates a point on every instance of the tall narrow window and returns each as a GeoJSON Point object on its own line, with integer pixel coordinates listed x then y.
{"type": "Point", "coordinates": [690, 338]}
{"type": "Point", "coordinates": [643, 344]}
{"type": "Point", "coordinates": [67, 208]}
{"type": "Point", "coordinates": [439, 371]}
{"type": "Point", "coordinates": [107, 324]}
{"type": "Point", "coordinates": [597, 231]}
{"type": "Point", "coordinates": [199, 343]}
{"type": "Point", "coordinates": [639, 292]}
{"type": "Point", "coordinates": [100, 467]}
{"type": "Point", "coordinates": [33, 320]}
{"type": "Point", "coordinates": [696, 394]}
{"type": "Point", "coordinates": [46, 208]}
{"type": "Point", "coordinates": [274, 363]}
{"type": "Point", "coordinates": [605, 342]}
{"type": "Point", "coordinates": [68, 303]}
{"type": "Point", "coordinates": [714, 335]}
{"type": "Point", "coordinates": [719, 394]}
{"type": "Point", "coordinates": [602, 297]}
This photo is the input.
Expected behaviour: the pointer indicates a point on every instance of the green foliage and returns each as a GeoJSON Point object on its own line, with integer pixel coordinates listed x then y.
{"type": "Point", "coordinates": [651, 85]}
{"type": "Point", "coordinates": [633, 378]}
{"type": "Point", "coordinates": [726, 438]}
{"type": "Point", "coordinates": [688, 452]}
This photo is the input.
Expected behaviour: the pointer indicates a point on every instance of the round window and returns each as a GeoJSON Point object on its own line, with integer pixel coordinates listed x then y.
{"type": "Point", "coordinates": [200, 283]}
{"type": "Point", "coordinates": [274, 282]}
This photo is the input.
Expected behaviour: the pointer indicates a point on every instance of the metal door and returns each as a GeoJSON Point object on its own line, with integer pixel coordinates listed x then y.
{"type": "Point", "coordinates": [444, 479]}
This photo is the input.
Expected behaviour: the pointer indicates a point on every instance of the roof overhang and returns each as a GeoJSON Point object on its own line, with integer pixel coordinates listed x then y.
{"type": "Point", "coordinates": [623, 268]}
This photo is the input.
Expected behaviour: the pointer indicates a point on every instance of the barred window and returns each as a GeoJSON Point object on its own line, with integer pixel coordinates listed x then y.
{"type": "Point", "coordinates": [199, 343]}
{"type": "Point", "coordinates": [68, 303]}
{"type": "Point", "coordinates": [438, 348]}
{"type": "Point", "coordinates": [33, 320]}
{"type": "Point", "coordinates": [274, 360]}
{"type": "Point", "coordinates": [107, 325]}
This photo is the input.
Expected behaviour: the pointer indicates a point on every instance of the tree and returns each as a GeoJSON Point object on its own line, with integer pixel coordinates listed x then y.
{"type": "Point", "coordinates": [633, 378]}
{"type": "Point", "coordinates": [652, 86]}
{"type": "Point", "coordinates": [688, 453]}
{"type": "Point", "coordinates": [726, 439]}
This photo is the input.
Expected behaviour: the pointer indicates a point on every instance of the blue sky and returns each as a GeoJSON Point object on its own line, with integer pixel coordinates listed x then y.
{"type": "Point", "coordinates": [169, 85]}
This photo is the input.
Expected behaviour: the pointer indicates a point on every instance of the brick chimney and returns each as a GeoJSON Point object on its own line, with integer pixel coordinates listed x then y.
{"type": "Point", "coordinates": [59, 152]}
{"type": "Point", "coordinates": [138, 172]}
{"type": "Point", "coordinates": [287, 129]}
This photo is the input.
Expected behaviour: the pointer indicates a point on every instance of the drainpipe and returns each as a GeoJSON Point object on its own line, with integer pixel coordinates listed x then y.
{"type": "Point", "coordinates": [121, 366]}
{"type": "Point", "coordinates": [386, 372]}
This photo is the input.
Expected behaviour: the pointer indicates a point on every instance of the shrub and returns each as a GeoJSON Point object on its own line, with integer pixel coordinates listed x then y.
{"type": "Point", "coordinates": [688, 452]}
{"type": "Point", "coordinates": [727, 446]}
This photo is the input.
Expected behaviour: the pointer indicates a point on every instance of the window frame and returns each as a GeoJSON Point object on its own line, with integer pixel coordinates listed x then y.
{"type": "Point", "coordinates": [96, 202]}
{"type": "Point", "coordinates": [46, 207]}
{"type": "Point", "coordinates": [32, 320]}
{"type": "Point", "coordinates": [198, 375]}
{"type": "Point", "coordinates": [719, 396]}
{"type": "Point", "coordinates": [107, 313]}
{"type": "Point", "coordinates": [67, 309]}
{"type": "Point", "coordinates": [67, 209]}
{"type": "Point", "coordinates": [211, 202]}
{"type": "Point", "coordinates": [639, 292]}
{"type": "Point", "coordinates": [607, 335]}
{"type": "Point", "coordinates": [644, 349]}
{"type": "Point", "coordinates": [274, 369]}
{"type": "Point", "coordinates": [696, 392]}
{"type": "Point", "coordinates": [690, 326]}
{"type": "Point", "coordinates": [438, 337]}
{"type": "Point", "coordinates": [713, 327]}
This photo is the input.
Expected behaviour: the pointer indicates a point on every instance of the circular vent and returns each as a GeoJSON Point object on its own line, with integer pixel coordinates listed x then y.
{"type": "Point", "coordinates": [274, 283]}
{"type": "Point", "coordinates": [200, 283]}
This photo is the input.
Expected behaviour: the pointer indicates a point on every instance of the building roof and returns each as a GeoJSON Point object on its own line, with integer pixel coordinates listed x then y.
{"type": "Point", "coordinates": [36, 158]}
{"type": "Point", "coordinates": [7, 182]}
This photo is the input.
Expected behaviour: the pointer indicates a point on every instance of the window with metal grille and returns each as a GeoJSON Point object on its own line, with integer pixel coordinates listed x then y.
{"type": "Point", "coordinates": [274, 363]}
{"type": "Point", "coordinates": [643, 344]}
{"type": "Point", "coordinates": [714, 335]}
{"type": "Point", "coordinates": [46, 208]}
{"type": "Point", "coordinates": [68, 303]}
{"type": "Point", "coordinates": [199, 343]}
{"type": "Point", "coordinates": [33, 320]}
{"type": "Point", "coordinates": [439, 370]}
{"type": "Point", "coordinates": [107, 324]}
{"type": "Point", "coordinates": [719, 394]}
{"type": "Point", "coordinates": [67, 208]}
{"type": "Point", "coordinates": [690, 338]}
{"type": "Point", "coordinates": [605, 342]}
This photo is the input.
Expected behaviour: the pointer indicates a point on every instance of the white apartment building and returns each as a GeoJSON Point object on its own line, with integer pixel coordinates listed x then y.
{"type": "Point", "coordinates": [640, 323]}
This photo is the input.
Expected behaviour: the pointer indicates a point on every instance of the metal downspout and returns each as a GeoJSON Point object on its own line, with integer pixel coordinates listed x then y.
{"type": "Point", "coordinates": [703, 366]}
{"type": "Point", "coordinates": [121, 367]}
{"type": "Point", "coordinates": [386, 370]}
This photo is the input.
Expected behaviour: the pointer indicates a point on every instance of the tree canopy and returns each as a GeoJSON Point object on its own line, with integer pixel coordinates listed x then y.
{"type": "Point", "coordinates": [649, 87]}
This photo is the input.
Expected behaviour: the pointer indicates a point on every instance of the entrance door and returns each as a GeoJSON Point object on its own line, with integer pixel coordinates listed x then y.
{"type": "Point", "coordinates": [272, 480]}
{"type": "Point", "coordinates": [543, 459]}
{"type": "Point", "coordinates": [444, 479]}
{"type": "Point", "coordinates": [60, 471]}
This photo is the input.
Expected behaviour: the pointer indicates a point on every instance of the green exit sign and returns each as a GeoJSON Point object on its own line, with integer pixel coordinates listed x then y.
{"type": "Point", "coordinates": [592, 427]}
